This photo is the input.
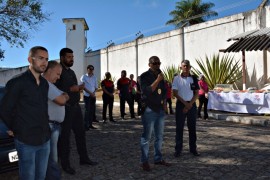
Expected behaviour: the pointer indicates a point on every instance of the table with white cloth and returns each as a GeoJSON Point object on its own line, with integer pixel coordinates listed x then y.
{"type": "Point", "coordinates": [239, 102]}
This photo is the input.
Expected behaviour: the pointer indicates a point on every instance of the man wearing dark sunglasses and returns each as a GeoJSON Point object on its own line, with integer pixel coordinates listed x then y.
{"type": "Point", "coordinates": [153, 115]}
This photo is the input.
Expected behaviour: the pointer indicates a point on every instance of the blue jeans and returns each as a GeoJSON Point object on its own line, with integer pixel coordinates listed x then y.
{"type": "Point", "coordinates": [180, 118]}
{"type": "Point", "coordinates": [53, 171]}
{"type": "Point", "coordinates": [33, 160]}
{"type": "Point", "coordinates": [153, 122]}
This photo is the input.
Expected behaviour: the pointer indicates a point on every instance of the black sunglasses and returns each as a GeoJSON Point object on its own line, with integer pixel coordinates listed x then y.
{"type": "Point", "coordinates": [156, 63]}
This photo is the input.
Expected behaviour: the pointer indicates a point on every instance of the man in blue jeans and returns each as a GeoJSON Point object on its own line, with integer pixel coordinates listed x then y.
{"type": "Point", "coordinates": [186, 91]}
{"type": "Point", "coordinates": [24, 109]}
{"type": "Point", "coordinates": [56, 109]}
{"type": "Point", "coordinates": [154, 101]}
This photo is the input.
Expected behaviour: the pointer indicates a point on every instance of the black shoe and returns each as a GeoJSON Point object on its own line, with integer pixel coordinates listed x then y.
{"type": "Point", "coordinates": [92, 127]}
{"type": "Point", "coordinates": [112, 120]}
{"type": "Point", "coordinates": [69, 170]}
{"type": "Point", "coordinates": [195, 153]}
{"type": "Point", "coordinates": [95, 120]}
{"type": "Point", "coordinates": [162, 162]}
{"type": "Point", "coordinates": [88, 162]}
{"type": "Point", "coordinates": [177, 154]}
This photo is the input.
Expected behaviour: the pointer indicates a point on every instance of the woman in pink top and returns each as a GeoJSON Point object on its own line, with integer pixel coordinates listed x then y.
{"type": "Point", "coordinates": [203, 97]}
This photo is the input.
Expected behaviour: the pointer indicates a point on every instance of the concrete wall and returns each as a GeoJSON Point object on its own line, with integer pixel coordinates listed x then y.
{"type": "Point", "coordinates": [199, 40]}
{"type": "Point", "coordinates": [95, 61]}
{"type": "Point", "coordinates": [7, 74]}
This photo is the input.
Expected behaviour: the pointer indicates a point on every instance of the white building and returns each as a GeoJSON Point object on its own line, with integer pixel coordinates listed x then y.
{"type": "Point", "coordinates": [171, 47]}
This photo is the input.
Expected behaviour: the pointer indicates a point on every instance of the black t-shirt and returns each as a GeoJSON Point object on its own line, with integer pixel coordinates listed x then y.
{"type": "Point", "coordinates": [123, 86]}
{"type": "Point", "coordinates": [67, 79]}
{"type": "Point", "coordinates": [108, 85]}
{"type": "Point", "coordinates": [154, 100]}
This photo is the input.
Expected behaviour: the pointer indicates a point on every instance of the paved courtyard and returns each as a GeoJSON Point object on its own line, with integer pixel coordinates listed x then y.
{"type": "Point", "coordinates": [228, 151]}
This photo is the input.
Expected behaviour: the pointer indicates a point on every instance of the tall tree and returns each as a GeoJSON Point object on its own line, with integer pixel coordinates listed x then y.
{"type": "Point", "coordinates": [17, 19]}
{"type": "Point", "coordinates": [192, 12]}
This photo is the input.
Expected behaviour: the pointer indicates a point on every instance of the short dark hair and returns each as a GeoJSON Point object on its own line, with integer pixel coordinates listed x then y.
{"type": "Point", "coordinates": [51, 65]}
{"type": "Point", "coordinates": [64, 51]}
{"type": "Point", "coordinates": [186, 62]}
{"type": "Point", "coordinates": [90, 66]}
{"type": "Point", "coordinates": [34, 50]}
{"type": "Point", "coordinates": [153, 58]}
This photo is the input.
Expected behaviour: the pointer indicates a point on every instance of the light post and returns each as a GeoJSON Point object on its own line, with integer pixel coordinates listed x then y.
{"type": "Point", "coordinates": [138, 36]}
{"type": "Point", "coordinates": [109, 44]}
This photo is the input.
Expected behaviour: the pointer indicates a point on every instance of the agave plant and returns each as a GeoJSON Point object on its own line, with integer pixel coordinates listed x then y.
{"type": "Point", "coordinates": [219, 70]}
{"type": "Point", "coordinates": [170, 71]}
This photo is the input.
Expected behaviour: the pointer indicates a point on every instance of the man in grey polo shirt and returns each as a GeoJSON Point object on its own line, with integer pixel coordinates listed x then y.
{"type": "Point", "coordinates": [56, 109]}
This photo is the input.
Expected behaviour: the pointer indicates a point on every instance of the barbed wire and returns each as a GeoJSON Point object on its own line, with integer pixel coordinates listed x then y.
{"type": "Point", "coordinates": [224, 8]}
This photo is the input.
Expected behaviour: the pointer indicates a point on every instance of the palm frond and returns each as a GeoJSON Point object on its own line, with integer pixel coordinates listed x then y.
{"type": "Point", "coordinates": [219, 70]}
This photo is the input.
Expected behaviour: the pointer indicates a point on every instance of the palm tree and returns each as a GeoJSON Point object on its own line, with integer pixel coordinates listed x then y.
{"type": "Point", "coordinates": [192, 12]}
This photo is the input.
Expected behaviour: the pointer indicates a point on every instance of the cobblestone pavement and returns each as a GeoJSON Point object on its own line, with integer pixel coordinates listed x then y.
{"type": "Point", "coordinates": [228, 151]}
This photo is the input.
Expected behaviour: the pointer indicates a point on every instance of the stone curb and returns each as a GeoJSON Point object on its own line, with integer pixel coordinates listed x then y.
{"type": "Point", "coordinates": [241, 118]}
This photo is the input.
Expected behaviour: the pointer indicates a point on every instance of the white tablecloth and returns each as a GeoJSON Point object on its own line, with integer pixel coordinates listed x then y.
{"type": "Point", "coordinates": [255, 103]}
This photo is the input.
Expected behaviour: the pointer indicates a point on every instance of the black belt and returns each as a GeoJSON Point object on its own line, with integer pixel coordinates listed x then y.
{"type": "Point", "coordinates": [54, 122]}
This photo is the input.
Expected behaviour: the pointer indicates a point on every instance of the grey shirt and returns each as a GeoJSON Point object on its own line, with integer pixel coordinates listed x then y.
{"type": "Point", "coordinates": [56, 112]}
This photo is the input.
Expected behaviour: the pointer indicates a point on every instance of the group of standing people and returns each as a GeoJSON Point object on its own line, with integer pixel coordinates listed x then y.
{"type": "Point", "coordinates": [41, 107]}
{"type": "Point", "coordinates": [128, 91]}
{"type": "Point", "coordinates": [39, 104]}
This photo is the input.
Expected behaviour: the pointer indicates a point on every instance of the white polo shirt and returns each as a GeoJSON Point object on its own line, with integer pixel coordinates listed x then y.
{"type": "Point", "coordinates": [182, 85]}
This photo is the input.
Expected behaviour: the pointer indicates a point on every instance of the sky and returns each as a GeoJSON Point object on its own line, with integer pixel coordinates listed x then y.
{"type": "Point", "coordinates": [108, 20]}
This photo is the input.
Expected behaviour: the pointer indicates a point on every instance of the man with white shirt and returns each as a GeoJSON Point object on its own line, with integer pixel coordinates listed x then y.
{"type": "Point", "coordinates": [185, 89]}
{"type": "Point", "coordinates": [90, 87]}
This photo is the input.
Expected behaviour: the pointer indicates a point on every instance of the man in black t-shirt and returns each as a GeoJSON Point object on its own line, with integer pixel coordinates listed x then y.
{"type": "Point", "coordinates": [73, 114]}
{"type": "Point", "coordinates": [123, 87]}
{"type": "Point", "coordinates": [107, 97]}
